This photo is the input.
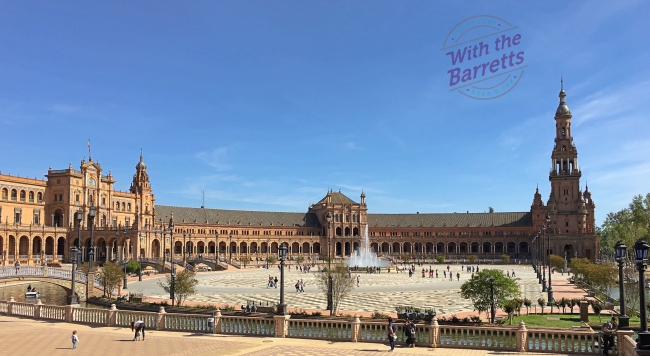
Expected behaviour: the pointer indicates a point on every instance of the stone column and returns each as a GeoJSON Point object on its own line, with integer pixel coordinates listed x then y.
{"type": "Point", "coordinates": [90, 284]}
{"type": "Point", "coordinates": [161, 319]}
{"type": "Point", "coordinates": [112, 316]}
{"type": "Point", "coordinates": [584, 311]}
{"type": "Point", "coordinates": [37, 309]}
{"type": "Point", "coordinates": [281, 325]}
{"type": "Point", "coordinates": [10, 304]}
{"type": "Point", "coordinates": [69, 313]}
{"type": "Point", "coordinates": [356, 329]}
{"type": "Point", "coordinates": [434, 333]}
{"type": "Point", "coordinates": [522, 337]}
{"type": "Point", "coordinates": [217, 322]}
{"type": "Point", "coordinates": [620, 343]}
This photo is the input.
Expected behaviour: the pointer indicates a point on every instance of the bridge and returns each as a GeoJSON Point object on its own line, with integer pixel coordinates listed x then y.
{"type": "Point", "coordinates": [58, 276]}
{"type": "Point", "coordinates": [164, 266]}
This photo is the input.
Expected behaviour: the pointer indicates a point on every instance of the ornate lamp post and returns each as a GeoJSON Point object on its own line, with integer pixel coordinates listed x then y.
{"type": "Point", "coordinates": [492, 310]}
{"type": "Point", "coordinates": [92, 212]}
{"type": "Point", "coordinates": [544, 251]}
{"type": "Point", "coordinates": [72, 298]}
{"type": "Point", "coordinates": [230, 247]}
{"type": "Point", "coordinates": [330, 295]}
{"type": "Point", "coordinates": [184, 247]}
{"type": "Point", "coordinates": [550, 271]}
{"type": "Point", "coordinates": [282, 308]}
{"type": "Point", "coordinates": [641, 252]}
{"type": "Point", "coordinates": [621, 251]}
{"type": "Point", "coordinates": [117, 234]}
{"type": "Point", "coordinates": [216, 247]}
{"type": "Point", "coordinates": [539, 258]}
{"type": "Point", "coordinates": [172, 267]}
{"type": "Point", "coordinates": [140, 261]}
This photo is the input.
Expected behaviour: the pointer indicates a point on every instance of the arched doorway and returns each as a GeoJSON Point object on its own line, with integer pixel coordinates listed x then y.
{"type": "Point", "coordinates": [155, 248]}
{"type": "Point", "coordinates": [58, 218]}
{"type": "Point", "coordinates": [569, 251]}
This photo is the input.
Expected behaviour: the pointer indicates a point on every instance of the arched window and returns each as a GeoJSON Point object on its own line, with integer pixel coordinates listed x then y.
{"type": "Point", "coordinates": [563, 148]}
{"type": "Point", "coordinates": [31, 197]}
{"type": "Point", "coordinates": [23, 195]}
{"type": "Point", "coordinates": [39, 197]}
{"type": "Point", "coordinates": [123, 207]}
{"type": "Point", "coordinates": [5, 194]}
{"type": "Point", "coordinates": [14, 194]}
{"type": "Point", "coordinates": [128, 207]}
{"type": "Point", "coordinates": [117, 206]}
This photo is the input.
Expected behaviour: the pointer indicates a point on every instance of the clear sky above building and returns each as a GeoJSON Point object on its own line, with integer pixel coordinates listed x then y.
{"type": "Point", "coordinates": [265, 105]}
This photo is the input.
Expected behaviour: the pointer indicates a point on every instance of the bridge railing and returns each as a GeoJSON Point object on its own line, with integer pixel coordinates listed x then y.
{"type": "Point", "coordinates": [13, 271]}
{"type": "Point", "coordinates": [517, 339]}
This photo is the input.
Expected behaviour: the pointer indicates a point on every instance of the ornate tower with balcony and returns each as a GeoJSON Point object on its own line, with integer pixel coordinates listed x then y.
{"type": "Point", "coordinates": [572, 217]}
{"type": "Point", "coordinates": [145, 199]}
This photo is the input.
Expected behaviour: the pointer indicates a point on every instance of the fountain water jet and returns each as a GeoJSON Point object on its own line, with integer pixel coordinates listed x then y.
{"type": "Point", "coordinates": [364, 256]}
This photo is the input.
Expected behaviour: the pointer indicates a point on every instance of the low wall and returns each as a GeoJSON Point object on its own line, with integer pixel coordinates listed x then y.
{"type": "Point", "coordinates": [516, 339]}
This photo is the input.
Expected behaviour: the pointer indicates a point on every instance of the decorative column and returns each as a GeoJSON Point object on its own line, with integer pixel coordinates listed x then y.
{"type": "Point", "coordinates": [434, 333]}
{"type": "Point", "coordinates": [356, 329]}
{"type": "Point", "coordinates": [522, 337]}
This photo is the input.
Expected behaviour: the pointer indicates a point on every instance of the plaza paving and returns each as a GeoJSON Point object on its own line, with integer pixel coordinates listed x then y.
{"type": "Point", "coordinates": [37, 337]}
{"type": "Point", "coordinates": [377, 292]}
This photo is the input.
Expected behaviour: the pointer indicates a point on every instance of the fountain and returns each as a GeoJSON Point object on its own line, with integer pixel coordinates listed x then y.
{"type": "Point", "coordinates": [364, 256]}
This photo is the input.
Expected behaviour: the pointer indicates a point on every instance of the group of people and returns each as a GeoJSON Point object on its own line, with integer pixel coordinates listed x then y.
{"type": "Point", "coordinates": [300, 286]}
{"type": "Point", "coordinates": [410, 333]}
{"type": "Point", "coordinates": [273, 282]}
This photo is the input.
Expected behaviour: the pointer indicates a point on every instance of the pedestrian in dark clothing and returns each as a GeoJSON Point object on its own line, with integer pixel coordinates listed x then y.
{"type": "Point", "coordinates": [609, 328]}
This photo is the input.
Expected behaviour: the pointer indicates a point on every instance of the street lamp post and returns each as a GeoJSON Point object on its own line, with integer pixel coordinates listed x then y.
{"type": "Point", "coordinates": [230, 247]}
{"type": "Point", "coordinates": [140, 261]}
{"type": "Point", "coordinates": [184, 244]}
{"type": "Point", "coordinates": [641, 252]}
{"type": "Point", "coordinates": [172, 267]}
{"type": "Point", "coordinates": [539, 258]}
{"type": "Point", "coordinates": [117, 234]}
{"type": "Point", "coordinates": [282, 308]}
{"type": "Point", "coordinates": [92, 212]}
{"type": "Point", "coordinates": [492, 310]}
{"type": "Point", "coordinates": [330, 296]}
{"type": "Point", "coordinates": [621, 251]}
{"type": "Point", "coordinates": [544, 251]}
{"type": "Point", "coordinates": [72, 298]}
{"type": "Point", "coordinates": [216, 248]}
{"type": "Point", "coordinates": [550, 270]}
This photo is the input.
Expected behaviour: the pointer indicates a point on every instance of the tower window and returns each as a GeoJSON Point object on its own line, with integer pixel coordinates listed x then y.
{"type": "Point", "coordinates": [563, 148]}
{"type": "Point", "coordinates": [563, 132]}
{"type": "Point", "coordinates": [566, 192]}
{"type": "Point", "coordinates": [566, 223]}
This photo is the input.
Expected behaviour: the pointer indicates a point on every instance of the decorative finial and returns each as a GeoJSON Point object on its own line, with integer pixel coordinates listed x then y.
{"type": "Point", "coordinates": [561, 82]}
{"type": "Point", "coordinates": [140, 154]}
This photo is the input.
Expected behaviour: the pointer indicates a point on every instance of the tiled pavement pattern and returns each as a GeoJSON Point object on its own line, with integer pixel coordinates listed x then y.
{"type": "Point", "coordinates": [37, 337]}
{"type": "Point", "coordinates": [379, 292]}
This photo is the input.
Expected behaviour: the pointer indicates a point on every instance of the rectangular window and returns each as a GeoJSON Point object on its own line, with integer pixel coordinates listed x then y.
{"type": "Point", "coordinates": [37, 219]}
{"type": "Point", "coordinates": [566, 224]}
{"type": "Point", "coordinates": [127, 222]}
{"type": "Point", "coordinates": [16, 218]}
{"type": "Point", "coordinates": [566, 192]}
{"type": "Point", "coordinates": [76, 198]}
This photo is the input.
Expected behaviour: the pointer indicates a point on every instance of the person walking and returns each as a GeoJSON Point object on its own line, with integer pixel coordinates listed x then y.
{"type": "Point", "coordinates": [302, 286]}
{"type": "Point", "coordinates": [138, 326]}
{"type": "Point", "coordinates": [358, 280]}
{"type": "Point", "coordinates": [75, 339]}
{"type": "Point", "coordinates": [609, 328]}
{"type": "Point", "coordinates": [275, 282]}
{"type": "Point", "coordinates": [458, 276]}
{"type": "Point", "coordinates": [392, 334]}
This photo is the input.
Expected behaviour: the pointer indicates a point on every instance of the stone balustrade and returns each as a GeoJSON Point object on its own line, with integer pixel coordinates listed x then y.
{"type": "Point", "coordinates": [519, 339]}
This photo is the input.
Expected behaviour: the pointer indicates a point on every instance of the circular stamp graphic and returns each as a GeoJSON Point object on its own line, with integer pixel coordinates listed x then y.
{"type": "Point", "coordinates": [486, 57]}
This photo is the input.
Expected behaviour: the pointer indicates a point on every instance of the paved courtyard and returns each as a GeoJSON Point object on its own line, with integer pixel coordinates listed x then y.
{"type": "Point", "coordinates": [377, 292]}
{"type": "Point", "coordinates": [38, 337]}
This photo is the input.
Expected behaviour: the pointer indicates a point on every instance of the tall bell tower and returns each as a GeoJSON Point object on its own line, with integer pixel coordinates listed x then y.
{"type": "Point", "coordinates": [572, 218]}
{"type": "Point", "coordinates": [144, 196]}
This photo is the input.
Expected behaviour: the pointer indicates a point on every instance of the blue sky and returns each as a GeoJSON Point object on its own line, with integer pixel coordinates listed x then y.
{"type": "Point", "coordinates": [266, 105]}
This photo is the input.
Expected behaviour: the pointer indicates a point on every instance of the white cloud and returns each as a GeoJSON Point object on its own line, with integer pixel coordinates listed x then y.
{"type": "Point", "coordinates": [215, 158]}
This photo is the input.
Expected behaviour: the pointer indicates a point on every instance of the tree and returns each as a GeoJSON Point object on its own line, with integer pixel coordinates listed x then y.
{"type": "Point", "coordinates": [300, 260]}
{"type": "Point", "coordinates": [597, 307]}
{"type": "Point", "coordinates": [271, 260]}
{"type": "Point", "coordinates": [563, 304]}
{"type": "Point", "coordinates": [542, 303]}
{"type": "Point", "coordinates": [527, 303]}
{"type": "Point", "coordinates": [505, 258]}
{"type": "Point", "coordinates": [440, 259]}
{"type": "Point", "coordinates": [509, 308]}
{"type": "Point", "coordinates": [110, 276]}
{"type": "Point", "coordinates": [490, 210]}
{"type": "Point", "coordinates": [342, 285]}
{"type": "Point", "coordinates": [478, 289]}
{"type": "Point", "coordinates": [132, 266]}
{"type": "Point", "coordinates": [557, 262]}
{"type": "Point", "coordinates": [184, 285]}
{"type": "Point", "coordinates": [472, 259]}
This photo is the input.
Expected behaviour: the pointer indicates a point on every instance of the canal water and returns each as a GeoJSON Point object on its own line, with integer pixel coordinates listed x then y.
{"type": "Point", "coordinates": [50, 294]}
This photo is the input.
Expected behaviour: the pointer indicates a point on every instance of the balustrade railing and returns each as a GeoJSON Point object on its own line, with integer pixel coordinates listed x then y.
{"type": "Point", "coordinates": [90, 316]}
{"type": "Point", "coordinates": [23, 309]}
{"type": "Point", "coordinates": [187, 322]}
{"type": "Point", "coordinates": [320, 329]}
{"type": "Point", "coordinates": [559, 341]}
{"type": "Point", "coordinates": [125, 318]}
{"type": "Point", "coordinates": [488, 338]}
{"type": "Point", "coordinates": [247, 326]}
{"type": "Point", "coordinates": [3, 307]}
{"type": "Point", "coordinates": [53, 312]}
